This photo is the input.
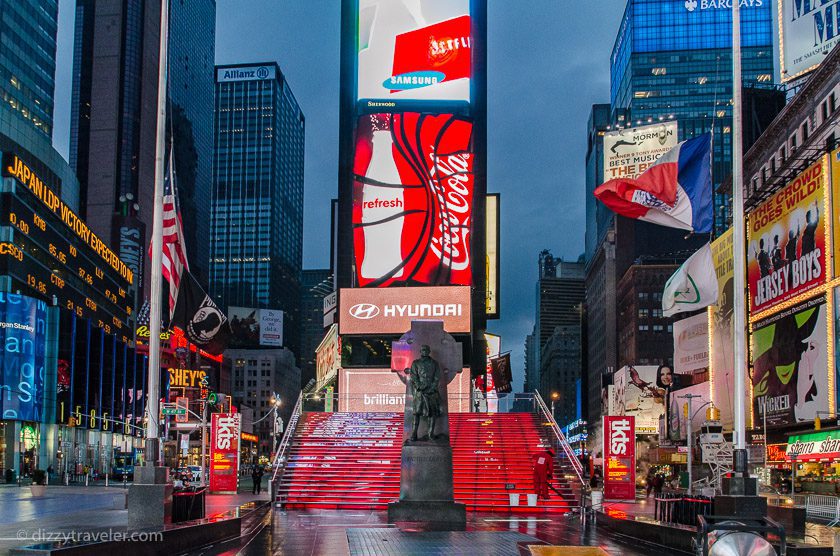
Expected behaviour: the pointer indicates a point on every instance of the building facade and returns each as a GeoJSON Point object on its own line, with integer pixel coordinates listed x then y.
{"type": "Point", "coordinates": [315, 285]}
{"type": "Point", "coordinates": [257, 214]}
{"type": "Point", "coordinates": [114, 119]}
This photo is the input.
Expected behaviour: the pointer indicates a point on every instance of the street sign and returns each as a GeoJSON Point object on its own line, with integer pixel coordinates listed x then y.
{"type": "Point", "coordinates": [174, 411]}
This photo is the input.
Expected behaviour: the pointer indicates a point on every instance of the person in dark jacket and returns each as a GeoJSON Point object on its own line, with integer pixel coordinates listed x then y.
{"type": "Point", "coordinates": [257, 475]}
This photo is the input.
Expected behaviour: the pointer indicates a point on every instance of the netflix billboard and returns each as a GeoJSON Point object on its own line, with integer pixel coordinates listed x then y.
{"type": "Point", "coordinates": [619, 457]}
{"type": "Point", "coordinates": [412, 201]}
{"type": "Point", "coordinates": [225, 430]}
{"type": "Point", "coordinates": [417, 50]}
{"type": "Point", "coordinates": [391, 310]}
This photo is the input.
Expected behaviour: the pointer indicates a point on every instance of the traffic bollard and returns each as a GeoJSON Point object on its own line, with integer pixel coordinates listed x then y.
{"type": "Point", "coordinates": [87, 477]}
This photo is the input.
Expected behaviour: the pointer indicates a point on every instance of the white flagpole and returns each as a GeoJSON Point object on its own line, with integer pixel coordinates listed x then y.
{"type": "Point", "coordinates": [739, 328]}
{"type": "Point", "coordinates": [153, 384]}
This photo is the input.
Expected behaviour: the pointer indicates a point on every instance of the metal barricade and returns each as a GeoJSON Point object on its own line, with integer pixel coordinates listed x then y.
{"type": "Point", "coordinates": [681, 509]}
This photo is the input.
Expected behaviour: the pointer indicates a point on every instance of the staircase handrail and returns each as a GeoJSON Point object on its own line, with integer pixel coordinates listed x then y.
{"type": "Point", "coordinates": [280, 456]}
{"type": "Point", "coordinates": [561, 438]}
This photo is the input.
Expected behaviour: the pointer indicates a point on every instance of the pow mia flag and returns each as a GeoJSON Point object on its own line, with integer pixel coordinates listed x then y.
{"type": "Point", "coordinates": [202, 321]}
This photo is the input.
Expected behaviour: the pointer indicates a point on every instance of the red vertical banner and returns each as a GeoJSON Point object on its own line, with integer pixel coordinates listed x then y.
{"type": "Point", "coordinates": [619, 457]}
{"type": "Point", "coordinates": [225, 430]}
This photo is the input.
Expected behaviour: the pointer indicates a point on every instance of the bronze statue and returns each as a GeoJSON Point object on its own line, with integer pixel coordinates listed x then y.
{"type": "Point", "coordinates": [425, 377]}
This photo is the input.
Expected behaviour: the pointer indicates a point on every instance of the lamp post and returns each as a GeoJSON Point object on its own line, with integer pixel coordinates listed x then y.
{"type": "Point", "coordinates": [554, 397]}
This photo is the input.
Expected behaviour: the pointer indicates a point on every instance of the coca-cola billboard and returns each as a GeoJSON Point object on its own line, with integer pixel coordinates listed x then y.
{"type": "Point", "coordinates": [619, 457]}
{"type": "Point", "coordinates": [413, 200]}
{"type": "Point", "coordinates": [225, 429]}
{"type": "Point", "coordinates": [414, 50]}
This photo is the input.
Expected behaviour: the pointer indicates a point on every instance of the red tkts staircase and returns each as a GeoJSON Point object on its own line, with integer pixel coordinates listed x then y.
{"type": "Point", "coordinates": [352, 460]}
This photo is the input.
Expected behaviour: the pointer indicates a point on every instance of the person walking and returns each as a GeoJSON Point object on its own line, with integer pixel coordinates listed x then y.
{"type": "Point", "coordinates": [256, 475]}
{"type": "Point", "coordinates": [543, 471]}
{"type": "Point", "coordinates": [658, 483]}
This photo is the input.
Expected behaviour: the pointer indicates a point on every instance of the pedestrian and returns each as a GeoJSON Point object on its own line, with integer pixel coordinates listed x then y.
{"type": "Point", "coordinates": [256, 475]}
{"type": "Point", "coordinates": [658, 483]}
{"type": "Point", "coordinates": [543, 471]}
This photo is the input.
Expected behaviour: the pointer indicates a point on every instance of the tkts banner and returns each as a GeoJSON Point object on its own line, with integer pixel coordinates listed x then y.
{"type": "Point", "coordinates": [619, 458]}
{"type": "Point", "coordinates": [790, 367]}
{"type": "Point", "coordinates": [224, 452]}
{"type": "Point", "coordinates": [412, 200]}
{"type": "Point", "coordinates": [786, 254]}
{"type": "Point", "coordinates": [414, 50]}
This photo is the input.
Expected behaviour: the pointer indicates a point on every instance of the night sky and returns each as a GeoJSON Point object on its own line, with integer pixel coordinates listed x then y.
{"type": "Point", "coordinates": [548, 62]}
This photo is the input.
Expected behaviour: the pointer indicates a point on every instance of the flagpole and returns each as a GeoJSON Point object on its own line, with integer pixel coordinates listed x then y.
{"type": "Point", "coordinates": [739, 249]}
{"type": "Point", "coordinates": [153, 385]}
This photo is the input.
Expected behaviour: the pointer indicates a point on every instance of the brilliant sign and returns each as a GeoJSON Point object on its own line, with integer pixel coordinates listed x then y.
{"type": "Point", "coordinates": [619, 458]}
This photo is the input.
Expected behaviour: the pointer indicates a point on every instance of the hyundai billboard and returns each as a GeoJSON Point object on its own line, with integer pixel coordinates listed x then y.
{"type": "Point", "coordinates": [391, 310]}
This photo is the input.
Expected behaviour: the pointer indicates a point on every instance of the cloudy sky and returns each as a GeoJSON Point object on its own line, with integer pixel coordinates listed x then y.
{"type": "Point", "coordinates": [548, 62]}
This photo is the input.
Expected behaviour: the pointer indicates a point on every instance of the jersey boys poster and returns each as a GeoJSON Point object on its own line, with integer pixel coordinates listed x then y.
{"type": "Point", "coordinates": [790, 367]}
{"type": "Point", "coordinates": [786, 254]}
{"type": "Point", "coordinates": [412, 200]}
{"type": "Point", "coordinates": [414, 50]}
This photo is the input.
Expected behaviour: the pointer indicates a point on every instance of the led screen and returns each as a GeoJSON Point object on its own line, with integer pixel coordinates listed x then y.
{"type": "Point", "coordinates": [414, 50]}
{"type": "Point", "coordinates": [413, 199]}
{"type": "Point", "coordinates": [23, 329]}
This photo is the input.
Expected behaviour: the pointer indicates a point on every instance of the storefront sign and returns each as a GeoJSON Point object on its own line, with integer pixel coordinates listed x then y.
{"type": "Point", "coordinates": [776, 453]}
{"type": "Point", "coordinates": [248, 437]}
{"type": "Point", "coordinates": [186, 378]}
{"type": "Point", "coordinates": [391, 310]}
{"type": "Point", "coordinates": [224, 452]}
{"type": "Point", "coordinates": [813, 446]}
{"type": "Point", "coordinates": [619, 458]}
{"type": "Point", "coordinates": [786, 254]}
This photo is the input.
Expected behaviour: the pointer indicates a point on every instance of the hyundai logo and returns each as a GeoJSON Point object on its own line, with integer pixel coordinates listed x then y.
{"type": "Point", "coordinates": [364, 311]}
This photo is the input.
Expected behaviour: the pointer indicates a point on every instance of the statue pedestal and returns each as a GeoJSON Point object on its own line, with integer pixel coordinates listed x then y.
{"type": "Point", "coordinates": [426, 494]}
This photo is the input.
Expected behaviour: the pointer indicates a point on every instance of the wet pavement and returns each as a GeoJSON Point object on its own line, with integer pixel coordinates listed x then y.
{"type": "Point", "coordinates": [347, 532]}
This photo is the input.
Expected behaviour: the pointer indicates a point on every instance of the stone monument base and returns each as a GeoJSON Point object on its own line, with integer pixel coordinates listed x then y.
{"type": "Point", "coordinates": [149, 499]}
{"type": "Point", "coordinates": [449, 516]}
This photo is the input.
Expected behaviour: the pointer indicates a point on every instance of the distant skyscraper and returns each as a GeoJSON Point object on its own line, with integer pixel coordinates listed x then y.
{"type": "Point", "coordinates": [315, 285]}
{"type": "Point", "coordinates": [257, 214]}
{"type": "Point", "coordinates": [114, 118]}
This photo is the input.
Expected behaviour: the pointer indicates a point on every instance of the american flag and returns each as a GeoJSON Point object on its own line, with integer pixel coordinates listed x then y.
{"type": "Point", "coordinates": [174, 248]}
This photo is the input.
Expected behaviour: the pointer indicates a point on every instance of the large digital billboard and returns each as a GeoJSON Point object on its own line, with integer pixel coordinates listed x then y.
{"type": "Point", "coordinates": [413, 200]}
{"type": "Point", "coordinates": [23, 333]}
{"type": "Point", "coordinates": [629, 152]}
{"type": "Point", "coordinates": [391, 310]}
{"type": "Point", "coordinates": [414, 50]}
{"type": "Point", "coordinates": [808, 30]}
{"type": "Point", "coordinates": [255, 327]}
{"type": "Point", "coordinates": [637, 392]}
{"type": "Point", "coordinates": [834, 163]}
{"type": "Point", "coordinates": [225, 429]}
{"type": "Point", "coordinates": [722, 359]}
{"type": "Point", "coordinates": [377, 390]}
{"type": "Point", "coordinates": [619, 458]}
{"type": "Point", "coordinates": [492, 254]}
{"type": "Point", "coordinates": [790, 368]}
{"type": "Point", "coordinates": [691, 344]}
{"type": "Point", "coordinates": [786, 254]}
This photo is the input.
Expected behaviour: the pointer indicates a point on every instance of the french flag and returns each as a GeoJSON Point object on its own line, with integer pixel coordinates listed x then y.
{"type": "Point", "coordinates": [676, 191]}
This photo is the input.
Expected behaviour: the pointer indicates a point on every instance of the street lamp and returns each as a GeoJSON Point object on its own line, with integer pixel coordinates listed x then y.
{"type": "Point", "coordinates": [554, 397]}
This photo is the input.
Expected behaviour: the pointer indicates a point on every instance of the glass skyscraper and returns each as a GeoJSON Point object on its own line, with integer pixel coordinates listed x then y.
{"type": "Point", "coordinates": [256, 221]}
{"type": "Point", "coordinates": [672, 59]}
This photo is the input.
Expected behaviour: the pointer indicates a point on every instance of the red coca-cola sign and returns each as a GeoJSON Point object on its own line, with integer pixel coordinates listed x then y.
{"type": "Point", "coordinates": [412, 200]}
{"type": "Point", "coordinates": [619, 457]}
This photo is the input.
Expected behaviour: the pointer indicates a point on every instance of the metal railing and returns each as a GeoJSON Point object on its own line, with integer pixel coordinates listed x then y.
{"type": "Point", "coordinates": [562, 443]}
{"type": "Point", "coordinates": [395, 403]}
{"type": "Point", "coordinates": [285, 443]}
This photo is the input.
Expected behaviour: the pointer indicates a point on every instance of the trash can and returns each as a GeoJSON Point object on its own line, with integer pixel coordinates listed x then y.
{"type": "Point", "coordinates": [188, 504]}
{"type": "Point", "coordinates": [514, 499]}
{"type": "Point", "coordinates": [597, 499]}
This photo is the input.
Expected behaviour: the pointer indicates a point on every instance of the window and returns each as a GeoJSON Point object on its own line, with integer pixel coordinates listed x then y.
{"type": "Point", "coordinates": [643, 328]}
{"type": "Point", "coordinates": [643, 296]}
{"type": "Point", "coordinates": [805, 131]}
{"type": "Point", "coordinates": [658, 328]}
{"type": "Point", "coordinates": [643, 313]}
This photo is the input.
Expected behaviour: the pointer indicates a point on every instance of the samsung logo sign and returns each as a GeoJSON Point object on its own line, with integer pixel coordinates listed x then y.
{"type": "Point", "coordinates": [254, 73]}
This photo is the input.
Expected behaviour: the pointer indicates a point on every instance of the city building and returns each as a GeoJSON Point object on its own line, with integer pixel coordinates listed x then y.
{"type": "Point", "coordinates": [557, 330]}
{"type": "Point", "coordinates": [257, 208]}
{"type": "Point", "coordinates": [27, 84]}
{"type": "Point", "coordinates": [269, 382]}
{"type": "Point", "coordinates": [114, 119]}
{"type": "Point", "coordinates": [316, 284]}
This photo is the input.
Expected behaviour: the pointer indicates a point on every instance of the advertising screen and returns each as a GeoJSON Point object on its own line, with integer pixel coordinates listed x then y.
{"type": "Point", "coordinates": [790, 367]}
{"type": "Point", "coordinates": [786, 253]}
{"type": "Point", "coordinates": [834, 158]}
{"type": "Point", "coordinates": [492, 268]}
{"type": "Point", "coordinates": [328, 355]}
{"type": "Point", "coordinates": [414, 50]}
{"type": "Point", "coordinates": [255, 327]}
{"type": "Point", "coordinates": [691, 344]}
{"type": "Point", "coordinates": [638, 394]}
{"type": "Point", "coordinates": [807, 31]}
{"type": "Point", "coordinates": [629, 152]}
{"type": "Point", "coordinates": [391, 310]}
{"type": "Point", "coordinates": [23, 330]}
{"type": "Point", "coordinates": [677, 411]}
{"type": "Point", "coordinates": [722, 359]}
{"type": "Point", "coordinates": [378, 390]}
{"type": "Point", "coordinates": [619, 458]}
{"type": "Point", "coordinates": [225, 429]}
{"type": "Point", "coordinates": [413, 200]}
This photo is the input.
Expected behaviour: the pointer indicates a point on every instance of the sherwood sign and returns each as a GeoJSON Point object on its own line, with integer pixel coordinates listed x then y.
{"type": "Point", "coordinates": [391, 310]}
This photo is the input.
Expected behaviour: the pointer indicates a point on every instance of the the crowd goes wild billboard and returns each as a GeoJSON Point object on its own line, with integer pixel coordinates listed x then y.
{"type": "Point", "coordinates": [413, 188]}
{"type": "Point", "coordinates": [414, 50]}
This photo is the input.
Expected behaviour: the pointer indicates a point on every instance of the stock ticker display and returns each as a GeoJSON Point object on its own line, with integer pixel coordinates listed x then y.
{"type": "Point", "coordinates": [47, 250]}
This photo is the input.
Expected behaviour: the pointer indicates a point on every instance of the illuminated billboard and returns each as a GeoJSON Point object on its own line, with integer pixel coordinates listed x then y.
{"type": "Point", "coordinates": [619, 458]}
{"type": "Point", "coordinates": [629, 152]}
{"type": "Point", "coordinates": [790, 367]}
{"type": "Point", "coordinates": [382, 390]}
{"type": "Point", "coordinates": [835, 196]}
{"type": "Point", "coordinates": [23, 332]}
{"type": "Point", "coordinates": [639, 393]}
{"type": "Point", "coordinates": [691, 344]}
{"type": "Point", "coordinates": [328, 355]}
{"type": "Point", "coordinates": [391, 310]}
{"type": "Point", "coordinates": [225, 429]}
{"type": "Point", "coordinates": [807, 32]}
{"type": "Point", "coordinates": [786, 254]}
{"type": "Point", "coordinates": [255, 327]}
{"type": "Point", "coordinates": [414, 50]}
{"type": "Point", "coordinates": [413, 188]}
{"type": "Point", "coordinates": [722, 359]}
{"type": "Point", "coordinates": [492, 253]}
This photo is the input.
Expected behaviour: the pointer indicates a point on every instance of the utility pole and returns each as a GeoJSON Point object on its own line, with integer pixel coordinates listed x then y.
{"type": "Point", "coordinates": [688, 431]}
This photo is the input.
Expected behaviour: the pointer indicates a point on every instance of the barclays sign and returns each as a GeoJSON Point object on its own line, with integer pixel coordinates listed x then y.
{"type": "Point", "coordinates": [692, 5]}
